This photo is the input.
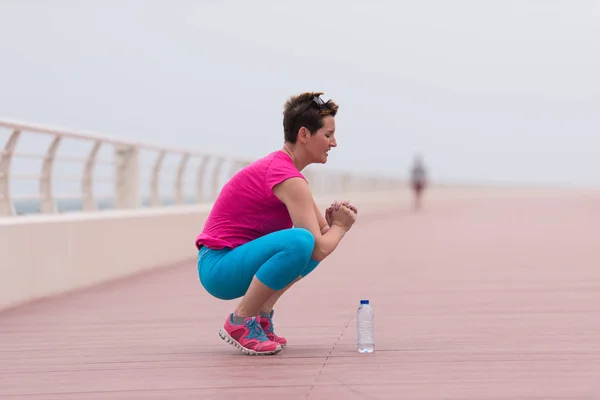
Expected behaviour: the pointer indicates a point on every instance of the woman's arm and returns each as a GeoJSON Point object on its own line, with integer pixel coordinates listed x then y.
{"type": "Point", "coordinates": [323, 225]}
{"type": "Point", "coordinates": [296, 195]}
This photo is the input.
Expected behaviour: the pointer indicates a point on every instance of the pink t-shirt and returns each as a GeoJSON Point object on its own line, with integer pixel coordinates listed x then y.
{"type": "Point", "coordinates": [246, 208]}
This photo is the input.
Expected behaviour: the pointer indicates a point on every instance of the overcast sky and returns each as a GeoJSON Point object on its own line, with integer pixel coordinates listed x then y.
{"type": "Point", "coordinates": [486, 90]}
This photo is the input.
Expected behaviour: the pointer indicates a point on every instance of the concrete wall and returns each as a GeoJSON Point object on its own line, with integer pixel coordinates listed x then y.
{"type": "Point", "coordinates": [44, 255]}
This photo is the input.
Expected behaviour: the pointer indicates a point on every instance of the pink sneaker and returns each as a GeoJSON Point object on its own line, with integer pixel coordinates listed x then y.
{"type": "Point", "coordinates": [249, 337]}
{"type": "Point", "coordinates": [267, 325]}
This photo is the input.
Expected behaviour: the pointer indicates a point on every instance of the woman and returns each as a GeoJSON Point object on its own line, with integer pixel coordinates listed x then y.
{"type": "Point", "coordinates": [265, 232]}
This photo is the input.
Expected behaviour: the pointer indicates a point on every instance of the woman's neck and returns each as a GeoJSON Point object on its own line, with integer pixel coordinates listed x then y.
{"type": "Point", "coordinates": [298, 158]}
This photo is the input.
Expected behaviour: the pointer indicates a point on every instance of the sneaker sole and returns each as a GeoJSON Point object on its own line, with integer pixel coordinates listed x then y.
{"type": "Point", "coordinates": [227, 338]}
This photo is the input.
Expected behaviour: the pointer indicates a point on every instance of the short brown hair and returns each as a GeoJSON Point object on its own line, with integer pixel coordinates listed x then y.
{"type": "Point", "coordinates": [305, 110]}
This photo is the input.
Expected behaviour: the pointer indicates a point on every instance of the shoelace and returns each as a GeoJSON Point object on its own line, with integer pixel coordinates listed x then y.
{"type": "Point", "coordinates": [270, 327]}
{"type": "Point", "coordinates": [255, 330]}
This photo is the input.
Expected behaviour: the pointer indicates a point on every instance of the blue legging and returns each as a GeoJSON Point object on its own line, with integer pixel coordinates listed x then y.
{"type": "Point", "coordinates": [276, 259]}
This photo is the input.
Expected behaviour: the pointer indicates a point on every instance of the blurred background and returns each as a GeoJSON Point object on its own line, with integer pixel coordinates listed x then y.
{"type": "Point", "coordinates": [500, 92]}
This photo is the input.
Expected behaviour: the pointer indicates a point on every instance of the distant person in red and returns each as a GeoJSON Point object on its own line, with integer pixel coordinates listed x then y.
{"type": "Point", "coordinates": [418, 178]}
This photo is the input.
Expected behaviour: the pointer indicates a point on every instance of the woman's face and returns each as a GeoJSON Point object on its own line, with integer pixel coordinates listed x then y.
{"type": "Point", "coordinates": [319, 144]}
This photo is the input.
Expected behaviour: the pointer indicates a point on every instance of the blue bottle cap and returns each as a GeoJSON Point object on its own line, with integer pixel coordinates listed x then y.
{"type": "Point", "coordinates": [364, 302]}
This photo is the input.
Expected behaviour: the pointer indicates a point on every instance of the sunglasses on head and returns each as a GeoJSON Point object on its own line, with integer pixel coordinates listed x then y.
{"type": "Point", "coordinates": [319, 102]}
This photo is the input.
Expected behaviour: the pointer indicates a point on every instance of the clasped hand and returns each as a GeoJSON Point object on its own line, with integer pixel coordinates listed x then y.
{"type": "Point", "coordinates": [342, 214]}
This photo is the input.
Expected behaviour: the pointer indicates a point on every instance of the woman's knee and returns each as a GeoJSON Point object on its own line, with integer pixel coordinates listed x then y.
{"type": "Point", "coordinates": [300, 244]}
{"type": "Point", "coordinates": [304, 240]}
{"type": "Point", "coordinates": [290, 262]}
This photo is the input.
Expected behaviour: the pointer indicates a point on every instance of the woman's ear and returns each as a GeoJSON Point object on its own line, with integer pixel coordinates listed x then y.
{"type": "Point", "coordinates": [303, 134]}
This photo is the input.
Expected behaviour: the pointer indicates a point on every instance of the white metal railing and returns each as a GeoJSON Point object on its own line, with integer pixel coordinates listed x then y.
{"type": "Point", "coordinates": [124, 158]}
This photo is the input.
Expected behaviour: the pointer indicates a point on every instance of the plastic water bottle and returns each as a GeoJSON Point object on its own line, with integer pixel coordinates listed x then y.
{"type": "Point", "coordinates": [365, 332]}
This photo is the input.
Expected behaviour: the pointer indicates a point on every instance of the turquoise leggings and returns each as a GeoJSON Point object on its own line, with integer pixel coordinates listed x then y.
{"type": "Point", "coordinates": [276, 259]}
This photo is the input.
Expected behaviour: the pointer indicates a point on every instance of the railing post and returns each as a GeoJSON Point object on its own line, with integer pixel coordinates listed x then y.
{"type": "Point", "coordinates": [215, 178]}
{"type": "Point", "coordinates": [346, 187]}
{"type": "Point", "coordinates": [200, 179]}
{"type": "Point", "coordinates": [6, 203]}
{"type": "Point", "coordinates": [89, 202]}
{"type": "Point", "coordinates": [179, 196]}
{"type": "Point", "coordinates": [127, 193]}
{"type": "Point", "coordinates": [155, 200]}
{"type": "Point", "coordinates": [48, 205]}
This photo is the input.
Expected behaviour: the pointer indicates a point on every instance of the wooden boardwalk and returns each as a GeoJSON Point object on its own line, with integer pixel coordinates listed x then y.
{"type": "Point", "coordinates": [479, 299]}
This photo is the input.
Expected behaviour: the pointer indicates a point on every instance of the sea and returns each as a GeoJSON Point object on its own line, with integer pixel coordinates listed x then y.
{"type": "Point", "coordinates": [33, 206]}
